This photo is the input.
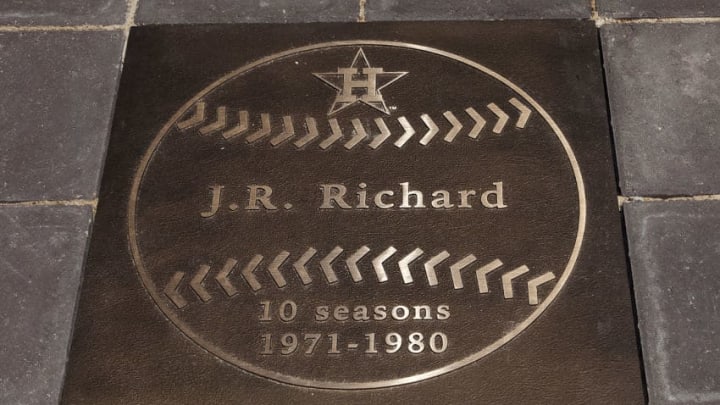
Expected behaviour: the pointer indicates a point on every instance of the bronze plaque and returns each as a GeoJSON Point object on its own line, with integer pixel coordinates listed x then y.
{"type": "Point", "coordinates": [334, 213]}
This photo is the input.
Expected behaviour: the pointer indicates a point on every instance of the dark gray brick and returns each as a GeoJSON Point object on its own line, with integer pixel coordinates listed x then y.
{"type": "Point", "coordinates": [675, 255]}
{"type": "Point", "coordinates": [655, 8]}
{"type": "Point", "coordinates": [664, 100]}
{"type": "Point", "coordinates": [251, 11]}
{"type": "Point", "coordinates": [62, 12]}
{"type": "Point", "coordinates": [380, 10]}
{"type": "Point", "coordinates": [41, 254]}
{"type": "Point", "coordinates": [58, 90]}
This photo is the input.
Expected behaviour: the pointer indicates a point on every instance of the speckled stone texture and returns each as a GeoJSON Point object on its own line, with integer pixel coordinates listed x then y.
{"type": "Point", "coordinates": [656, 9]}
{"type": "Point", "coordinates": [58, 90]}
{"type": "Point", "coordinates": [245, 11]}
{"type": "Point", "coordinates": [41, 255]}
{"type": "Point", "coordinates": [379, 10]}
{"type": "Point", "coordinates": [664, 100]}
{"type": "Point", "coordinates": [675, 255]}
{"type": "Point", "coordinates": [62, 12]}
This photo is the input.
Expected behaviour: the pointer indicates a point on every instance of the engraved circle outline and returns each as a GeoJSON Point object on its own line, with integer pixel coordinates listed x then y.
{"type": "Point", "coordinates": [344, 385]}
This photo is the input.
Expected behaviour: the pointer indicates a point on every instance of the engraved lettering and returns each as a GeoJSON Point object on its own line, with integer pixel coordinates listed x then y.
{"type": "Point", "coordinates": [265, 317]}
{"type": "Point", "coordinates": [498, 193]}
{"type": "Point", "coordinates": [360, 313]}
{"type": "Point", "coordinates": [422, 312]}
{"type": "Point", "coordinates": [287, 344]}
{"type": "Point", "coordinates": [372, 346]}
{"type": "Point", "coordinates": [322, 313]}
{"type": "Point", "coordinates": [438, 347]}
{"type": "Point", "coordinates": [314, 338]}
{"type": "Point", "coordinates": [288, 311]}
{"type": "Point", "coordinates": [379, 199]}
{"type": "Point", "coordinates": [394, 342]}
{"type": "Point", "coordinates": [334, 193]}
{"type": "Point", "coordinates": [341, 313]}
{"type": "Point", "coordinates": [441, 199]}
{"type": "Point", "coordinates": [267, 344]}
{"type": "Point", "coordinates": [400, 313]}
{"type": "Point", "coordinates": [443, 312]}
{"type": "Point", "coordinates": [364, 313]}
{"type": "Point", "coordinates": [261, 194]}
{"type": "Point", "coordinates": [464, 197]}
{"type": "Point", "coordinates": [362, 196]}
{"type": "Point", "coordinates": [333, 343]}
{"type": "Point", "coordinates": [416, 343]}
{"type": "Point", "coordinates": [215, 192]}
{"type": "Point", "coordinates": [407, 193]}
{"type": "Point", "coordinates": [380, 313]}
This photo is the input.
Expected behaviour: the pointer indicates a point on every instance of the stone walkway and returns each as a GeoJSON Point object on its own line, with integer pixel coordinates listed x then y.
{"type": "Point", "coordinates": [60, 62]}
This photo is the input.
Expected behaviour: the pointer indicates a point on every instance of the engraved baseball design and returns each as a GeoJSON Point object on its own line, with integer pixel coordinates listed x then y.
{"type": "Point", "coordinates": [357, 215]}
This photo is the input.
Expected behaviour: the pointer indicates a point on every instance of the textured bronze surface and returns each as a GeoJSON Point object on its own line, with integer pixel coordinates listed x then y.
{"type": "Point", "coordinates": [350, 213]}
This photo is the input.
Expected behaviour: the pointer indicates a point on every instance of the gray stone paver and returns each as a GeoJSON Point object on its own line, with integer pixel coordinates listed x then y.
{"type": "Point", "coordinates": [658, 8]}
{"type": "Point", "coordinates": [246, 11]}
{"type": "Point", "coordinates": [58, 91]}
{"type": "Point", "coordinates": [377, 10]}
{"type": "Point", "coordinates": [675, 257]}
{"type": "Point", "coordinates": [664, 101]}
{"type": "Point", "coordinates": [41, 256]}
{"type": "Point", "coordinates": [62, 12]}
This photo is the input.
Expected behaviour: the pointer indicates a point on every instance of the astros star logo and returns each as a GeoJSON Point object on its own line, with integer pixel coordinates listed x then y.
{"type": "Point", "coordinates": [359, 83]}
